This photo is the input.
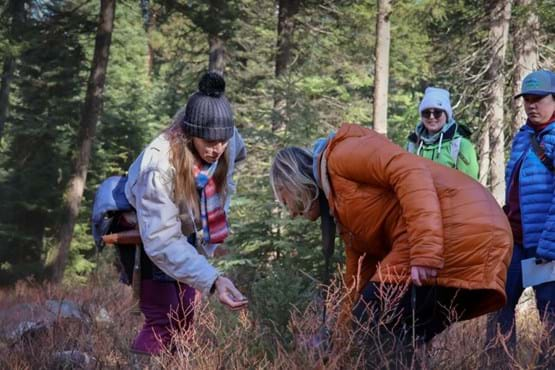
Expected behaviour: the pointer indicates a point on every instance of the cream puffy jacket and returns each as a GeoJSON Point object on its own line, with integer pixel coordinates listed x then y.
{"type": "Point", "coordinates": [149, 189]}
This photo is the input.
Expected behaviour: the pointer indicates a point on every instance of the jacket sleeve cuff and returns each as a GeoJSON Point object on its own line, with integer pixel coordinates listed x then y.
{"type": "Point", "coordinates": [213, 286]}
{"type": "Point", "coordinates": [210, 283]}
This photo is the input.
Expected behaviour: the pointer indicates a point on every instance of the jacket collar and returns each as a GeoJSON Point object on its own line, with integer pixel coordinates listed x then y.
{"type": "Point", "coordinates": [529, 129]}
{"type": "Point", "coordinates": [320, 168]}
{"type": "Point", "coordinates": [449, 131]}
{"type": "Point", "coordinates": [318, 149]}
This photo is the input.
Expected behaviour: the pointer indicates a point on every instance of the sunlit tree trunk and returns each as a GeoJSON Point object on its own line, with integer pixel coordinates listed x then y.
{"type": "Point", "coordinates": [89, 118]}
{"type": "Point", "coordinates": [381, 78]}
{"type": "Point", "coordinates": [216, 58]}
{"type": "Point", "coordinates": [525, 43]}
{"type": "Point", "coordinates": [149, 21]}
{"type": "Point", "coordinates": [499, 15]}
{"type": "Point", "coordinates": [484, 151]}
{"type": "Point", "coordinates": [287, 9]}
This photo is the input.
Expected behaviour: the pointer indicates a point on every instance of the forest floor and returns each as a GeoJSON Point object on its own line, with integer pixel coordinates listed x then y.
{"type": "Point", "coordinates": [95, 323]}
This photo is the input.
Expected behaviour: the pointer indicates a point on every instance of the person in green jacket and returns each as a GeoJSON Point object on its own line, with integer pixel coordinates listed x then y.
{"type": "Point", "coordinates": [439, 137]}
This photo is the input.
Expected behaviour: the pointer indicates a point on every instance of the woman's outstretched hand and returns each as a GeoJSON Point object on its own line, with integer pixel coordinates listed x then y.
{"type": "Point", "coordinates": [229, 295]}
{"type": "Point", "coordinates": [421, 273]}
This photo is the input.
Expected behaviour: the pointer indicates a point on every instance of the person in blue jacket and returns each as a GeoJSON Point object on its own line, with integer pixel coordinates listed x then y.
{"type": "Point", "coordinates": [530, 200]}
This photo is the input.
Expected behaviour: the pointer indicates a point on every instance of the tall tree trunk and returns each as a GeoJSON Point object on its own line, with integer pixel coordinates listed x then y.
{"type": "Point", "coordinates": [287, 10]}
{"type": "Point", "coordinates": [484, 151]}
{"type": "Point", "coordinates": [216, 58]}
{"type": "Point", "coordinates": [149, 21]}
{"type": "Point", "coordinates": [500, 16]}
{"type": "Point", "coordinates": [89, 118]}
{"type": "Point", "coordinates": [16, 11]}
{"type": "Point", "coordinates": [526, 58]}
{"type": "Point", "coordinates": [381, 77]}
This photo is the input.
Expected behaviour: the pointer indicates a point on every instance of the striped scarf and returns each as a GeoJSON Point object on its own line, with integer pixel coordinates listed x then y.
{"type": "Point", "coordinates": [212, 214]}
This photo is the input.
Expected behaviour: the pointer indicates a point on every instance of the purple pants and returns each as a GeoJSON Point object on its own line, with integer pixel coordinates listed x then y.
{"type": "Point", "coordinates": [167, 307]}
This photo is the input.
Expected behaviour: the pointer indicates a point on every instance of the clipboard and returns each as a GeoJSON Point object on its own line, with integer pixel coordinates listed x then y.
{"type": "Point", "coordinates": [536, 271]}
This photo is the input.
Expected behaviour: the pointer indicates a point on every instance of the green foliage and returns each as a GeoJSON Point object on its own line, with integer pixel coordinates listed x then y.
{"type": "Point", "coordinates": [41, 130]}
{"type": "Point", "coordinates": [81, 262]}
{"type": "Point", "coordinates": [545, 10]}
{"type": "Point", "coordinates": [203, 13]}
{"type": "Point", "coordinates": [276, 293]}
{"type": "Point", "coordinates": [128, 121]}
{"type": "Point", "coordinates": [129, 116]}
{"type": "Point", "coordinates": [158, 52]}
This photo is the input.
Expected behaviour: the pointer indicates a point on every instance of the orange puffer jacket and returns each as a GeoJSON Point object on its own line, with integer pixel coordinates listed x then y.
{"type": "Point", "coordinates": [396, 210]}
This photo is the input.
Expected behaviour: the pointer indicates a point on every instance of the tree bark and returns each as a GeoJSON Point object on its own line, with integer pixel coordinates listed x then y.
{"type": "Point", "coordinates": [499, 15]}
{"type": "Point", "coordinates": [216, 58]}
{"type": "Point", "coordinates": [287, 10]}
{"type": "Point", "coordinates": [484, 151]}
{"type": "Point", "coordinates": [381, 77]}
{"type": "Point", "coordinates": [526, 56]}
{"type": "Point", "coordinates": [89, 118]}
{"type": "Point", "coordinates": [149, 22]}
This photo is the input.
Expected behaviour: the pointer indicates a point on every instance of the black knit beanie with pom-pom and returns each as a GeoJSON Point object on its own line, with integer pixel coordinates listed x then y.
{"type": "Point", "coordinates": [208, 114]}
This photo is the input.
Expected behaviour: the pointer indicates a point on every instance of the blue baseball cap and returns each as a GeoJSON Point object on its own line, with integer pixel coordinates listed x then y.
{"type": "Point", "coordinates": [539, 83]}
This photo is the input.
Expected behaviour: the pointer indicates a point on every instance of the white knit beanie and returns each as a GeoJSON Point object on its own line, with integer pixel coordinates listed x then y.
{"type": "Point", "coordinates": [437, 98]}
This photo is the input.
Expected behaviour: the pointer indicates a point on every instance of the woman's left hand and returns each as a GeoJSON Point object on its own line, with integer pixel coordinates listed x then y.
{"type": "Point", "coordinates": [421, 273]}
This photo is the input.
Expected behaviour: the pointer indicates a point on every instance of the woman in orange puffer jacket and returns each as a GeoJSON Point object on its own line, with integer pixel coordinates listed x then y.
{"type": "Point", "coordinates": [403, 219]}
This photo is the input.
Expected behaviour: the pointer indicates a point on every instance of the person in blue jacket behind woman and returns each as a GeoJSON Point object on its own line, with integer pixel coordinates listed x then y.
{"type": "Point", "coordinates": [530, 200]}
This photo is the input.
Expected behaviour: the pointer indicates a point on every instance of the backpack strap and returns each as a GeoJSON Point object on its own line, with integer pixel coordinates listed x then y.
{"type": "Point", "coordinates": [411, 147]}
{"type": "Point", "coordinates": [412, 140]}
{"type": "Point", "coordinates": [463, 131]}
{"type": "Point", "coordinates": [540, 152]}
{"type": "Point", "coordinates": [324, 178]}
{"type": "Point", "coordinates": [455, 149]}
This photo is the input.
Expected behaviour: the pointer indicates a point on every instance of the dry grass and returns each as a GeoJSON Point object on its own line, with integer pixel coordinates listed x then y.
{"type": "Point", "coordinates": [224, 340]}
{"type": "Point", "coordinates": [105, 341]}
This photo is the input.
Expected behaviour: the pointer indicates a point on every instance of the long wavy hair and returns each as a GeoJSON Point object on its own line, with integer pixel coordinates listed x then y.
{"type": "Point", "coordinates": [292, 171]}
{"type": "Point", "coordinates": [183, 157]}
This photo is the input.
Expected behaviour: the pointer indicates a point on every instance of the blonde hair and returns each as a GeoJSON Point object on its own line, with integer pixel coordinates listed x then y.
{"type": "Point", "coordinates": [292, 171]}
{"type": "Point", "coordinates": [183, 158]}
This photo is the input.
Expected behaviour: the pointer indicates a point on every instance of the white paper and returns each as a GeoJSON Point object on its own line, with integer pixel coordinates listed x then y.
{"type": "Point", "coordinates": [534, 274]}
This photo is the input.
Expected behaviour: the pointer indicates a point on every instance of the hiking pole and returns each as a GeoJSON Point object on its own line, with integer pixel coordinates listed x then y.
{"type": "Point", "coordinates": [413, 309]}
{"type": "Point", "coordinates": [136, 281]}
{"type": "Point", "coordinates": [326, 283]}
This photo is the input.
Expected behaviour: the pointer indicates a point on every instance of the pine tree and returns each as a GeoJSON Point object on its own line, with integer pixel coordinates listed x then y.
{"type": "Point", "coordinates": [500, 16]}
{"type": "Point", "coordinates": [87, 130]}
{"type": "Point", "coordinates": [525, 54]}
{"type": "Point", "coordinates": [38, 142]}
{"type": "Point", "coordinates": [13, 18]}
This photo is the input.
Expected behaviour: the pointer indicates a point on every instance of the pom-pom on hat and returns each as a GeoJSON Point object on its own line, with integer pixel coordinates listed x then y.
{"type": "Point", "coordinates": [437, 98]}
{"type": "Point", "coordinates": [208, 114]}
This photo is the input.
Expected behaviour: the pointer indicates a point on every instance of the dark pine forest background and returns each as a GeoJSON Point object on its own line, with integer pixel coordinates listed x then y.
{"type": "Point", "coordinates": [295, 70]}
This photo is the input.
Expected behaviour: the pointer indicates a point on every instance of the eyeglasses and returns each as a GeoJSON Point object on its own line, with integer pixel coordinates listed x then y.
{"type": "Point", "coordinates": [428, 113]}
